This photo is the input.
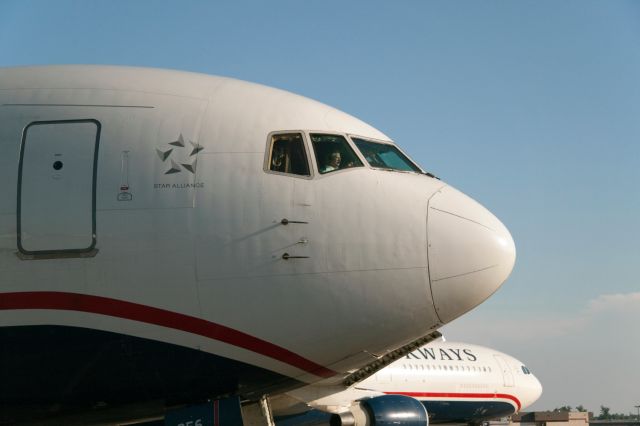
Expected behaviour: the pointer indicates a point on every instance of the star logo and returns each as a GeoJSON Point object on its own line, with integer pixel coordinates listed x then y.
{"type": "Point", "coordinates": [186, 156]}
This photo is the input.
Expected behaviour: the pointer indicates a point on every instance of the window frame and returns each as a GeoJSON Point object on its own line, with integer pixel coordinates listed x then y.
{"type": "Point", "coordinates": [305, 143]}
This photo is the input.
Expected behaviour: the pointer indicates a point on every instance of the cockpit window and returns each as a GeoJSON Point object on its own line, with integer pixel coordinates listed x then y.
{"type": "Point", "coordinates": [288, 154]}
{"type": "Point", "coordinates": [385, 156]}
{"type": "Point", "coordinates": [525, 370]}
{"type": "Point", "coordinates": [333, 153]}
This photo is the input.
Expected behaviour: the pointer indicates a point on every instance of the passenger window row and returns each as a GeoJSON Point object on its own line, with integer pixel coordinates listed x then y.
{"type": "Point", "coordinates": [482, 369]}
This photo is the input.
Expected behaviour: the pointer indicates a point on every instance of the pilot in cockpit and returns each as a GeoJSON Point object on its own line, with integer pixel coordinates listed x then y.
{"type": "Point", "coordinates": [333, 162]}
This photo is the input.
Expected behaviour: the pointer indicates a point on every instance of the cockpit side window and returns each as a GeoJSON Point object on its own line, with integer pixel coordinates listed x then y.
{"type": "Point", "coordinates": [333, 153]}
{"type": "Point", "coordinates": [287, 154]}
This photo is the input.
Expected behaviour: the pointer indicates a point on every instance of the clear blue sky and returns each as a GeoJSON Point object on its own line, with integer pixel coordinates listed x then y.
{"type": "Point", "coordinates": [531, 107]}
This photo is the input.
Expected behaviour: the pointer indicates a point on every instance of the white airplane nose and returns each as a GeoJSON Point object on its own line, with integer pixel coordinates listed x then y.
{"type": "Point", "coordinates": [532, 393]}
{"type": "Point", "coordinates": [471, 253]}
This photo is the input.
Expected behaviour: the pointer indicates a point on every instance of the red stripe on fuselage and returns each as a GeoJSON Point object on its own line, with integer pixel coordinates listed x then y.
{"type": "Point", "coordinates": [150, 315]}
{"type": "Point", "coordinates": [459, 395]}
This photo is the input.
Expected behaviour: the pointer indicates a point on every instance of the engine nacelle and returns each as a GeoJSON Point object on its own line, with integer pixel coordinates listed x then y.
{"type": "Point", "coordinates": [386, 410]}
{"type": "Point", "coordinates": [389, 410]}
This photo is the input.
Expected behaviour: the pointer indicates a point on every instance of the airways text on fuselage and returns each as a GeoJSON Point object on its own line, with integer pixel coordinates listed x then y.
{"type": "Point", "coordinates": [443, 354]}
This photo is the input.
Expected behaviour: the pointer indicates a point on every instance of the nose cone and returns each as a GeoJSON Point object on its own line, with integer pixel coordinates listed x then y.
{"type": "Point", "coordinates": [471, 253]}
{"type": "Point", "coordinates": [530, 391]}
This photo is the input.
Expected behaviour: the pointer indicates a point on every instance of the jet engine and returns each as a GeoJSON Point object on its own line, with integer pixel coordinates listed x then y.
{"type": "Point", "coordinates": [384, 410]}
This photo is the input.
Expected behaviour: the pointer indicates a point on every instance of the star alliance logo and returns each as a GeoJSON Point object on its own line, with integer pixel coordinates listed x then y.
{"type": "Point", "coordinates": [181, 151]}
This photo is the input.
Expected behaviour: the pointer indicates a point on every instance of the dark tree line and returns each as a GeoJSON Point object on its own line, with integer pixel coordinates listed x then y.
{"type": "Point", "coordinates": [605, 413]}
{"type": "Point", "coordinates": [568, 408]}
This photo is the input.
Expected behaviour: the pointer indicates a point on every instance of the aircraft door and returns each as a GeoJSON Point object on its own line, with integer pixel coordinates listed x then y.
{"type": "Point", "coordinates": [56, 187]}
{"type": "Point", "coordinates": [507, 375]}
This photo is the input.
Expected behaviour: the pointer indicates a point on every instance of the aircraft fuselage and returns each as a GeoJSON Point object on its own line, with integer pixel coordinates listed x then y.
{"type": "Point", "coordinates": [146, 209]}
